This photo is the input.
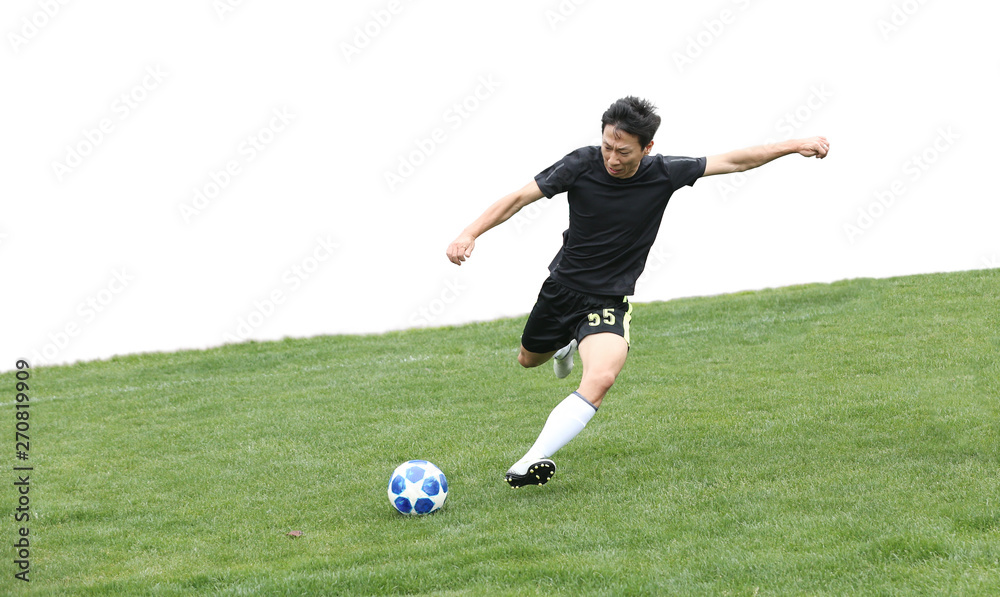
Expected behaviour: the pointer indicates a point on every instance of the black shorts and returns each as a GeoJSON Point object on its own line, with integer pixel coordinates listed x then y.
{"type": "Point", "coordinates": [561, 314]}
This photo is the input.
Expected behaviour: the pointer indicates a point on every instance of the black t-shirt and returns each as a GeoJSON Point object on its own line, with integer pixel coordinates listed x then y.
{"type": "Point", "coordinates": [612, 222]}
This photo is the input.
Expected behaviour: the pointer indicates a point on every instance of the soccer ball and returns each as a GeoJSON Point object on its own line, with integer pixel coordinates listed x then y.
{"type": "Point", "coordinates": [417, 487]}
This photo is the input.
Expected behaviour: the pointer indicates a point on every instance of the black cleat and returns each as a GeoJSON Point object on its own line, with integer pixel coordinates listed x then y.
{"type": "Point", "coordinates": [539, 473]}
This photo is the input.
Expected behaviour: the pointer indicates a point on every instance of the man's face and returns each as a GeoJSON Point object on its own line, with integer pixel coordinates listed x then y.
{"type": "Point", "coordinates": [622, 152]}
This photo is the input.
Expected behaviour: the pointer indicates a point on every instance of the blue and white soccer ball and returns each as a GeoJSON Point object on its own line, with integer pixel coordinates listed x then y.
{"type": "Point", "coordinates": [417, 487]}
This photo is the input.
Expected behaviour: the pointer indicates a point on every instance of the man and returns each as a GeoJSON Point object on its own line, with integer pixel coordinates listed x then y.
{"type": "Point", "coordinates": [617, 194]}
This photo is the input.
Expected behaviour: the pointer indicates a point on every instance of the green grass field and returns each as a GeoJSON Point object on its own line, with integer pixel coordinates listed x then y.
{"type": "Point", "coordinates": [815, 440]}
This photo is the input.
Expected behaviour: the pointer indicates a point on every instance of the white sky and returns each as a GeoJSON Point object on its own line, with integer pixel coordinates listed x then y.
{"type": "Point", "coordinates": [291, 119]}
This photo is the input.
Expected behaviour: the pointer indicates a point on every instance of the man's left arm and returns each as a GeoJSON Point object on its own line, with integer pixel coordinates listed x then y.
{"type": "Point", "coordinates": [754, 157]}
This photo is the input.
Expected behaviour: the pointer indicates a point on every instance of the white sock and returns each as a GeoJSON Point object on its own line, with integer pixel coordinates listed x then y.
{"type": "Point", "coordinates": [561, 353]}
{"type": "Point", "coordinates": [565, 422]}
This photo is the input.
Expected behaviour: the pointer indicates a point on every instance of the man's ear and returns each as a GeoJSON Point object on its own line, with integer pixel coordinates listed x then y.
{"type": "Point", "coordinates": [648, 148]}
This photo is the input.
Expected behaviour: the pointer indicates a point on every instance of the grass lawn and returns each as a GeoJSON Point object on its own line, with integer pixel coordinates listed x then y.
{"type": "Point", "coordinates": [815, 440]}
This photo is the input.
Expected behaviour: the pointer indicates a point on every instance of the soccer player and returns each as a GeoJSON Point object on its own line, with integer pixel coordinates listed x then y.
{"type": "Point", "coordinates": [617, 194]}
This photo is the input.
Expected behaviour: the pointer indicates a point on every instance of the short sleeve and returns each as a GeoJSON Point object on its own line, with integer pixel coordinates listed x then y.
{"type": "Point", "coordinates": [684, 171]}
{"type": "Point", "coordinates": [559, 177]}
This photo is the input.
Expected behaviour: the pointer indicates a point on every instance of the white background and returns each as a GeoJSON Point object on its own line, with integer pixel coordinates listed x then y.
{"type": "Point", "coordinates": [100, 260]}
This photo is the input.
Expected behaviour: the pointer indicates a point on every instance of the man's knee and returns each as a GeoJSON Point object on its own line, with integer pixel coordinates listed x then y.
{"type": "Point", "coordinates": [528, 359]}
{"type": "Point", "coordinates": [603, 380]}
{"type": "Point", "coordinates": [595, 385]}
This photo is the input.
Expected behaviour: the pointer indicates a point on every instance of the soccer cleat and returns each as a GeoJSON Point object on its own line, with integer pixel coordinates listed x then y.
{"type": "Point", "coordinates": [539, 473]}
{"type": "Point", "coordinates": [562, 361]}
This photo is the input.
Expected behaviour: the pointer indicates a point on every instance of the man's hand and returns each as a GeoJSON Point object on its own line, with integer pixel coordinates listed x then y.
{"type": "Point", "coordinates": [814, 147]}
{"type": "Point", "coordinates": [461, 248]}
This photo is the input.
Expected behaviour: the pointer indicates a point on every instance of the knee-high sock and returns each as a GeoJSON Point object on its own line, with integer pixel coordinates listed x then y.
{"type": "Point", "coordinates": [565, 422]}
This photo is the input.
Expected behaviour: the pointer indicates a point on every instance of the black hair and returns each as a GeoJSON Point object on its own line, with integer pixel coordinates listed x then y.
{"type": "Point", "coordinates": [633, 115]}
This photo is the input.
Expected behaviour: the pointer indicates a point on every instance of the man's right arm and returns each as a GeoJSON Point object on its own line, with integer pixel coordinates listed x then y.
{"type": "Point", "coordinates": [461, 248]}
{"type": "Point", "coordinates": [742, 160]}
